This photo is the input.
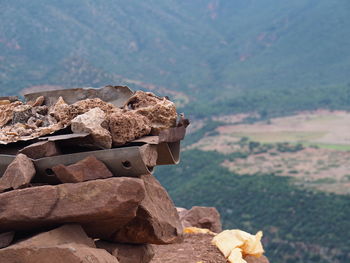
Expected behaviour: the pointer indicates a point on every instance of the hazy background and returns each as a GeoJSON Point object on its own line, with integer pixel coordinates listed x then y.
{"type": "Point", "coordinates": [266, 84]}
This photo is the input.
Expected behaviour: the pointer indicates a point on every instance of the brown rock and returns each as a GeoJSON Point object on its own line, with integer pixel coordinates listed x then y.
{"type": "Point", "coordinates": [157, 221]}
{"type": "Point", "coordinates": [69, 233]}
{"type": "Point", "coordinates": [85, 170]}
{"type": "Point", "coordinates": [61, 111]}
{"type": "Point", "coordinates": [126, 126]}
{"type": "Point", "coordinates": [18, 174]}
{"type": "Point", "coordinates": [83, 106]}
{"type": "Point", "coordinates": [202, 217]}
{"type": "Point", "coordinates": [64, 113]}
{"type": "Point", "coordinates": [6, 239]}
{"type": "Point", "coordinates": [6, 112]}
{"type": "Point", "coordinates": [68, 244]}
{"type": "Point", "coordinates": [67, 253]}
{"type": "Point", "coordinates": [127, 253]}
{"type": "Point", "coordinates": [37, 102]}
{"type": "Point", "coordinates": [252, 259]}
{"type": "Point", "coordinates": [161, 112]}
{"type": "Point", "coordinates": [102, 206]}
{"type": "Point", "coordinates": [41, 149]}
{"type": "Point", "coordinates": [21, 114]}
{"type": "Point", "coordinates": [92, 122]}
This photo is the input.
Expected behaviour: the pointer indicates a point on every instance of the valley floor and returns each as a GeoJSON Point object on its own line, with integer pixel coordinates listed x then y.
{"type": "Point", "coordinates": [312, 147]}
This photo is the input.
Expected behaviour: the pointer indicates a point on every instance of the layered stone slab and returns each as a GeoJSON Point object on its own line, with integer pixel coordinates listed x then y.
{"type": "Point", "coordinates": [101, 206]}
{"type": "Point", "coordinates": [128, 253]}
{"type": "Point", "coordinates": [156, 222]}
{"type": "Point", "coordinates": [18, 174]}
{"type": "Point", "coordinates": [68, 244]}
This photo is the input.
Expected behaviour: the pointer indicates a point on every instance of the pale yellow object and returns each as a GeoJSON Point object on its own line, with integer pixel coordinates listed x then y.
{"type": "Point", "coordinates": [235, 244]}
{"type": "Point", "coordinates": [236, 256]}
{"type": "Point", "coordinates": [196, 230]}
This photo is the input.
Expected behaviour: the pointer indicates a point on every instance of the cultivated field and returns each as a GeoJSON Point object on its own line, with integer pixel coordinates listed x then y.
{"type": "Point", "coordinates": [323, 128]}
{"type": "Point", "coordinates": [322, 163]}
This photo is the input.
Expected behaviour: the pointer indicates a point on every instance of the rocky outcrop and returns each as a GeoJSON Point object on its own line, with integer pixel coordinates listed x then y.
{"type": "Point", "coordinates": [41, 150]}
{"type": "Point", "coordinates": [156, 222]}
{"type": "Point", "coordinates": [6, 111]}
{"type": "Point", "coordinates": [68, 243]}
{"type": "Point", "coordinates": [142, 114]}
{"type": "Point", "coordinates": [101, 206]}
{"type": "Point", "coordinates": [160, 112]}
{"type": "Point", "coordinates": [85, 170]}
{"type": "Point", "coordinates": [18, 174]}
{"type": "Point", "coordinates": [128, 253]}
{"type": "Point", "coordinates": [73, 176]}
{"type": "Point", "coordinates": [93, 122]}
{"type": "Point", "coordinates": [201, 217]}
{"type": "Point", "coordinates": [126, 126]}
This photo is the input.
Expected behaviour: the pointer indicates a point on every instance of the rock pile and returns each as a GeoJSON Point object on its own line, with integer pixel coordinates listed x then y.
{"type": "Point", "coordinates": [201, 217]}
{"type": "Point", "coordinates": [76, 181]}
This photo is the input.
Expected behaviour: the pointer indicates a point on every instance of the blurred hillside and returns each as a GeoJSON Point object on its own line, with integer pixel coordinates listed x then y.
{"type": "Point", "coordinates": [231, 56]}
{"type": "Point", "coordinates": [214, 57]}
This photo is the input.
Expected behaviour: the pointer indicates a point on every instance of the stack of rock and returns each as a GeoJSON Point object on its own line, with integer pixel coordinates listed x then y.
{"type": "Point", "coordinates": [201, 217]}
{"type": "Point", "coordinates": [75, 176]}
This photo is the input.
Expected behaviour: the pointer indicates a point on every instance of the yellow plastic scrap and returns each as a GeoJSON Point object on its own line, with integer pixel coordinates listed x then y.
{"type": "Point", "coordinates": [196, 230]}
{"type": "Point", "coordinates": [236, 256]}
{"type": "Point", "coordinates": [253, 245]}
{"type": "Point", "coordinates": [236, 244]}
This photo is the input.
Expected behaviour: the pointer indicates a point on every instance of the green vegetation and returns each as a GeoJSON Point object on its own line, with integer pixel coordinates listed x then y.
{"type": "Point", "coordinates": [286, 213]}
{"type": "Point", "coordinates": [338, 147]}
{"type": "Point", "coordinates": [228, 56]}
{"type": "Point", "coordinates": [282, 136]}
{"type": "Point", "coordinates": [288, 56]}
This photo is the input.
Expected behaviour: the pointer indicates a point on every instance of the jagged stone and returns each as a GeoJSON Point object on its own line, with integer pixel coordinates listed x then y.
{"type": "Point", "coordinates": [126, 126]}
{"type": "Point", "coordinates": [68, 244]}
{"type": "Point", "coordinates": [38, 102]}
{"type": "Point", "coordinates": [93, 122]}
{"type": "Point", "coordinates": [87, 169]}
{"type": "Point", "coordinates": [21, 114]}
{"type": "Point", "coordinates": [64, 113]}
{"type": "Point", "coordinates": [6, 112]}
{"type": "Point", "coordinates": [101, 206]}
{"type": "Point", "coordinates": [202, 217]}
{"type": "Point", "coordinates": [61, 111]}
{"type": "Point", "coordinates": [157, 221]}
{"type": "Point", "coordinates": [128, 253]}
{"type": "Point", "coordinates": [18, 174]}
{"type": "Point", "coordinates": [6, 239]}
{"type": "Point", "coordinates": [161, 112]}
{"type": "Point", "coordinates": [41, 149]}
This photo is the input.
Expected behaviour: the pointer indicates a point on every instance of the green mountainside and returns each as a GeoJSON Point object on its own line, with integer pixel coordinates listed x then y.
{"type": "Point", "coordinates": [230, 55]}
{"type": "Point", "coordinates": [299, 225]}
{"type": "Point", "coordinates": [215, 57]}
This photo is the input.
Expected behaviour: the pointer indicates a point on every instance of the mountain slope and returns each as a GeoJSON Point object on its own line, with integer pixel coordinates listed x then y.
{"type": "Point", "coordinates": [298, 225]}
{"type": "Point", "coordinates": [229, 55]}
